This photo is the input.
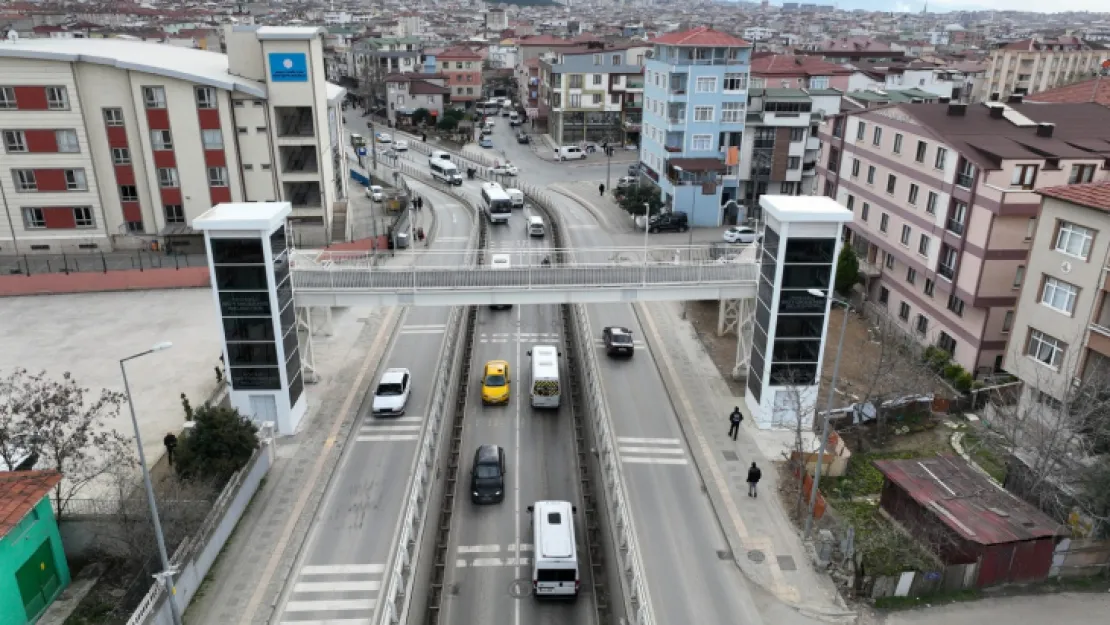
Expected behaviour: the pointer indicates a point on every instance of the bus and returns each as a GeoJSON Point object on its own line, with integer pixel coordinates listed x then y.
{"type": "Point", "coordinates": [498, 203]}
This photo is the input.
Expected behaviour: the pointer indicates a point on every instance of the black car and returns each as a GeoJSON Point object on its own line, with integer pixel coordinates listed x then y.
{"type": "Point", "coordinates": [676, 221]}
{"type": "Point", "coordinates": [487, 476]}
{"type": "Point", "coordinates": [634, 169]}
{"type": "Point", "coordinates": [522, 137]}
{"type": "Point", "coordinates": [618, 341]}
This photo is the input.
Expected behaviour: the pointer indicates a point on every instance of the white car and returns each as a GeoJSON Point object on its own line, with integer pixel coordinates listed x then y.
{"type": "Point", "coordinates": [392, 394]}
{"type": "Point", "coordinates": [507, 169]}
{"type": "Point", "coordinates": [739, 234]}
{"type": "Point", "coordinates": [376, 193]}
{"type": "Point", "coordinates": [383, 138]}
{"type": "Point", "coordinates": [401, 145]}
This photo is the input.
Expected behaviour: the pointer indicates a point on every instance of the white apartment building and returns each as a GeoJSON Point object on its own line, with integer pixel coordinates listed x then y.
{"type": "Point", "coordinates": [112, 144]}
{"type": "Point", "coordinates": [1029, 66]}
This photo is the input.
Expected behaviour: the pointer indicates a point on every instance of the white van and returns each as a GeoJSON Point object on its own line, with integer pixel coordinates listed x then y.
{"type": "Point", "coordinates": [546, 390]}
{"type": "Point", "coordinates": [445, 171]}
{"type": "Point", "coordinates": [496, 262]}
{"type": "Point", "coordinates": [535, 227]}
{"type": "Point", "coordinates": [555, 565]}
{"type": "Point", "coordinates": [569, 153]}
{"type": "Point", "coordinates": [439, 155]}
{"type": "Point", "coordinates": [517, 196]}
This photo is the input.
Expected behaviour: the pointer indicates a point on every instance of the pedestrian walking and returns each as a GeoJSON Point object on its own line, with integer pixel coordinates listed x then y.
{"type": "Point", "coordinates": [754, 474]}
{"type": "Point", "coordinates": [170, 441]}
{"type": "Point", "coordinates": [734, 420]}
{"type": "Point", "coordinates": [601, 189]}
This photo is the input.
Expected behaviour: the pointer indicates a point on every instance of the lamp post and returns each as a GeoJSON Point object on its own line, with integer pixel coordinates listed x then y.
{"type": "Point", "coordinates": [828, 409]}
{"type": "Point", "coordinates": [166, 576]}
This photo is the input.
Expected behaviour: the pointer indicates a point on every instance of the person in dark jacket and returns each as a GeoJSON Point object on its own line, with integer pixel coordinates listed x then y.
{"type": "Point", "coordinates": [754, 474]}
{"type": "Point", "coordinates": [601, 189]}
{"type": "Point", "coordinates": [170, 441]}
{"type": "Point", "coordinates": [734, 420]}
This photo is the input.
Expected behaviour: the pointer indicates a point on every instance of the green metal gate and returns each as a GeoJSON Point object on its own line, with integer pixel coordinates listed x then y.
{"type": "Point", "coordinates": [38, 580]}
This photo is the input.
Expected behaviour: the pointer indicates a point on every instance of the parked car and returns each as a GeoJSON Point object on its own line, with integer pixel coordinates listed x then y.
{"type": "Point", "coordinates": [508, 169]}
{"type": "Point", "coordinates": [383, 138]}
{"type": "Point", "coordinates": [627, 181]}
{"type": "Point", "coordinates": [485, 142]}
{"type": "Point", "coordinates": [676, 221]}
{"type": "Point", "coordinates": [634, 169]}
{"type": "Point", "coordinates": [523, 138]}
{"type": "Point", "coordinates": [740, 234]}
{"type": "Point", "coordinates": [400, 145]}
{"type": "Point", "coordinates": [375, 193]}
{"type": "Point", "coordinates": [569, 152]}
{"type": "Point", "coordinates": [618, 341]}
{"type": "Point", "coordinates": [392, 394]}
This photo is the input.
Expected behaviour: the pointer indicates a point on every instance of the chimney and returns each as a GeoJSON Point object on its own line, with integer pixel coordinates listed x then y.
{"type": "Point", "coordinates": [944, 99]}
{"type": "Point", "coordinates": [1044, 129]}
{"type": "Point", "coordinates": [1015, 98]}
{"type": "Point", "coordinates": [994, 96]}
{"type": "Point", "coordinates": [957, 110]}
{"type": "Point", "coordinates": [997, 111]}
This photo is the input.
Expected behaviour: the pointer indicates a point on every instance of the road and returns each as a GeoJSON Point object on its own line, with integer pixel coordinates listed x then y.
{"type": "Point", "coordinates": [340, 570]}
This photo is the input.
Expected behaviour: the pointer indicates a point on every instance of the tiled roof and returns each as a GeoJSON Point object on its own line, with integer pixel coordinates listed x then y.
{"type": "Point", "coordinates": [412, 76]}
{"type": "Point", "coordinates": [1094, 195]}
{"type": "Point", "coordinates": [544, 40]}
{"type": "Point", "coordinates": [701, 36]}
{"type": "Point", "coordinates": [20, 491]}
{"type": "Point", "coordinates": [423, 87]}
{"type": "Point", "coordinates": [1093, 90]}
{"type": "Point", "coordinates": [460, 53]}
{"type": "Point", "coordinates": [788, 64]}
{"type": "Point", "coordinates": [853, 44]}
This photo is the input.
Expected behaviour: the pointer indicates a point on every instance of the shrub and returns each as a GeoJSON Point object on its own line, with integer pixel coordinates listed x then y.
{"type": "Point", "coordinates": [219, 445]}
{"type": "Point", "coordinates": [963, 381]}
{"type": "Point", "coordinates": [847, 271]}
{"type": "Point", "coordinates": [952, 371]}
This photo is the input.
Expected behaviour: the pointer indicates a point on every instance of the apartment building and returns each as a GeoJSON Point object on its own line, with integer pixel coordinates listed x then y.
{"type": "Point", "coordinates": [110, 143]}
{"type": "Point", "coordinates": [1030, 65]}
{"type": "Point", "coordinates": [789, 71]}
{"type": "Point", "coordinates": [1060, 333]}
{"type": "Point", "coordinates": [463, 68]}
{"type": "Point", "coordinates": [695, 106]}
{"type": "Point", "coordinates": [374, 58]}
{"type": "Point", "coordinates": [945, 205]}
{"type": "Point", "coordinates": [590, 93]}
{"type": "Point", "coordinates": [407, 93]}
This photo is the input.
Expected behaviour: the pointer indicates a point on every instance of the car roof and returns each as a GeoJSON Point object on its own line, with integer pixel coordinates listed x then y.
{"type": "Point", "coordinates": [497, 366]}
{"type": "Point", "coordinates": [618, 330]}
{"type": "Point", "coordinates": [486, 453]}
{"type": "Point", "coordinates": [394, 375]}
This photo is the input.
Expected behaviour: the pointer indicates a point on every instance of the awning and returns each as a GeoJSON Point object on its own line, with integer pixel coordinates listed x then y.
{"type": "Point", "coordinates": [698, 164]}
{"type": "Point", "coordinates": [178, 230]}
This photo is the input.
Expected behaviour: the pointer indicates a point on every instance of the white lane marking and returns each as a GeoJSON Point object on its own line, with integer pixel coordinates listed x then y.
{"type": "Point", "coordinates": [424, 331]}
{"type": "Point", "coordinates": [386, 438]}
{"type": "Point", "coordinates": [337, 586]}
{"type": "Point", "coordinates": [333, 605]}
{"type": "Point", "coordinates": [331, 621]}
{"type": "Point", "coordinates": [452, 239]}
{"type": "Point", "coordinates": [516, 482]}
{"type": "Point", "coordinates": [342, 569]}
{"type": "Point", "coordinates": [522, 546]}
{"type": "Point", "coordinates": [384, 420]}
{"type": "Point", "coordinates": [650, 450]}
{"type": "Point", "coordinates": [492, 562]}
{"type": "Point", "coordinates": [478, 548]}
{"type": "Point", "coordinates": [648, 441]}
{"type": "Point", "coordinates": [391, 428]}
{"type": "Point", "coordinates": [635, 460]}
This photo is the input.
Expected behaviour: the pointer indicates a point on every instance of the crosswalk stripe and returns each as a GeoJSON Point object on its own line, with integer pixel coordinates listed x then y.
{"type": "Point", "coordinates": [424, 331]}
{"type": "Point", "coordinates": [391, 428]}
{"type": "Point", "coordinates": [386, 438]}
{"type": "Point", "coordinates": [491, 562]}
{"type": "Point", "coordinates": [650, 450]}
{"type": "Point", "coordinates": [636, 460]}
{"type": "Point", "coordinates": [479, 549]}
{"type": "Point", "coordinates": [330, 605]}
{"type": "Point", "coordinates": [336, 586]}
{"type": "Point", "coordinates": [405, 419]}
{"type": "Point", "coordinates": [647, 441]}
{"type": "Point", "coordinates": [342, 569]}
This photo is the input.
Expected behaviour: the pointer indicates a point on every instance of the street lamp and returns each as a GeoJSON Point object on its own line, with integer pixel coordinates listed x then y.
{"type": "Point", "coordinates": [166, 575]}
{"type": "Point", "coordinates": [828, 408]}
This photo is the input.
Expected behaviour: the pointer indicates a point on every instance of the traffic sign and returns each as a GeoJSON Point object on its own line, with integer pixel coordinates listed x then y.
{"type": "Point", "coordinates": [362, 151]}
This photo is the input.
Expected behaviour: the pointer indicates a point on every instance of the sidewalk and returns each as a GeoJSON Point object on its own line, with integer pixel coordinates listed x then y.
{"type": "Point", "coordinates": [765, 544]}
{"type": "Point", "coordinates": [604, 209]}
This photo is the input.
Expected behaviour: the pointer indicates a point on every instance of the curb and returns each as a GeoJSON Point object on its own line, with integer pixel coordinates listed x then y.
{"type": "Point", "coordinates": [589, 206]}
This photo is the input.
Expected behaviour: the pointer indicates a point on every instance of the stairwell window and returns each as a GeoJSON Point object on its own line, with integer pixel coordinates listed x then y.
{"type": "Point", "coordinates": [898, 143]}
{"type": "Point", "coordinates": [217, 176]}
{"type": "Point", "coordinates": [1045, 349]}
{"type": "Point", "coordinates": [861, 131]}
{"type": "Point", "coordinates": [735, 82]}
{"type": "Point", "coordinates": [213, 139]}
{"type": "Point", "coordinates": [113, 117]}
{"type": "Point", "coordinates": [941, 159]}
{"type": "Point", "coordinates": [1074, 240]}
{"type": "Point", "coordinates": [931, 203]}
{"type": "Point", "coordinates": [913, 194]}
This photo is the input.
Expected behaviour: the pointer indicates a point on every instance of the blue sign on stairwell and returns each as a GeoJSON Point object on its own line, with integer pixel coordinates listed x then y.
{"type": "Point", "coordinates": [288, 67]}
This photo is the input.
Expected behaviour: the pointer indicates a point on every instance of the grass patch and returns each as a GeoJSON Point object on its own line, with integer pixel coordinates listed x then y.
{"type": "Point", "coordinates": [886, 550]}
{"type": "Point", "coordinates": [862, 478]}
{"type": "Point", "coordinates": [909, 603]}
{"type": "Point", "coordinates": [985, 455]}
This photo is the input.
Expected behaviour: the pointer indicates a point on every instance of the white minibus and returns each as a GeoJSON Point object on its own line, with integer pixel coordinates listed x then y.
{"type": "Point", "coordinates": [497, 203]}
{"type": "Point", "coordinates": [445, 171]}
{"type": "Point", "coordinates": [555, 565]}
{"type": "Point", "coordinates": [546, 389]}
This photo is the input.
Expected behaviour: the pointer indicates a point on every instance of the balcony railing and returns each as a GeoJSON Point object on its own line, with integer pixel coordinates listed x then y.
{"type": "Point", "coordinates": [676, 119]}
{"type": "Point", "coordinates": [955, 227]}
{"type": "Point", "coordinates": [634, 85]}
{"type": "Point", "coordinates": [672, 148]}
{"type": "Point", "coordinates": [964, 180]}
{"type": "Point", "coordinates": [713, 61]}
{"type": "Point", "coordinates": [946, 272]}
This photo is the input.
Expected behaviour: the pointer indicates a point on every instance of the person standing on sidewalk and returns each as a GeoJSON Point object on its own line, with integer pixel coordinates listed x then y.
{"type": "Point", "coordinates": [601, 189]}
{"type": "Point", "coordinates": [754, 474]}
{"type": "Point", "coordinates": [734, 419]}
{"type": "Point", "coordinates": [170, 441]}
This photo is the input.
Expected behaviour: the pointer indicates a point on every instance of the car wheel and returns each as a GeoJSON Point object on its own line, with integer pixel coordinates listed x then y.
{"type": "Point", "coordinates": [683, 229]}
{"type": "Point", "coordinates": [653, 230]}
{"type": "Point", "coordinates": [562, 158]}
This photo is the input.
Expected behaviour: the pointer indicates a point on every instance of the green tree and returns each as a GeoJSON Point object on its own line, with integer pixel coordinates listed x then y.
{"type": "Point", "coordinates": [847, 270]}
{"type": "Point", "coordinates": [632, 199]}
{"type": "Point", "coordinates": [448, 124]}
{"type": "Point", "coordinates": [420, 116]}
{"type": "Point", "coordinates": [219, 445]}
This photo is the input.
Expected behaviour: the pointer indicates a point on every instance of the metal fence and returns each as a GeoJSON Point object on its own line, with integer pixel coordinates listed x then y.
{"type": "Point", "coordinates": [99, 262]}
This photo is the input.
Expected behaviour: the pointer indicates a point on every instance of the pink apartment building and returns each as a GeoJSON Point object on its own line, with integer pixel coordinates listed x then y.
{"type": "Point", "coordinates": [945, 206]}
{"type": "Point", "coordinates": [463, 68]}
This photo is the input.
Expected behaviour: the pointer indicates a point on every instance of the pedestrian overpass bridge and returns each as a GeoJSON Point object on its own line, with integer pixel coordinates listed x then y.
{"type": "Point", "coordinates": [585, 275]}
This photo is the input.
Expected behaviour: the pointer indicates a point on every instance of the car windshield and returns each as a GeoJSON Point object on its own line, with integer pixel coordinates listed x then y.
{"type": "Point", "coordinates": [486, 471]}
{"type": "Point", "coordinates": [621, 338]}
{"type": "Point", "coordinates": [389, 389]}
{"type": "Point", "coordinates": [495, 380]}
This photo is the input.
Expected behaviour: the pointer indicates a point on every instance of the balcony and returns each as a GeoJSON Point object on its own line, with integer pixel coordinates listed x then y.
{"type": "Point", "coordinates": [303, 194]}
{"type": "Point", "coordinates": [294, 121]}
{"type": "Point", "coordinates": [809, 169]}
{"type": "Point", "coordinates": [298, 159]}
{"type": "Point", "coordinates": [964, 180]}
{"type": "Point", "coordinates": [813, 143]}
{"type": "Point", "coordinates": [634, 84]}
{"type": "Point", "coordinates": [955, 227]}
{"type": "Point", "coordinates": [678, 84]}
{"type": "Point", "coordinates": [946, 272]}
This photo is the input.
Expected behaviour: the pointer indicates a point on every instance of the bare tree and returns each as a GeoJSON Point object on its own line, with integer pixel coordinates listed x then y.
{"type": "Point", "coordinates": [66, 431]}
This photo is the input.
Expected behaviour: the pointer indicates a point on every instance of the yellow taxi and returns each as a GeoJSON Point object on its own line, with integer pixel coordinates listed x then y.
{"type": "Point", "coordinates": [495, 383]}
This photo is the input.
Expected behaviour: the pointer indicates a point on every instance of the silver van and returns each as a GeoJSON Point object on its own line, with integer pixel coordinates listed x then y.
{"type": "Point", "coordinates": [535, 227]}
{"type": "Point", "coordinates": [569, 153]}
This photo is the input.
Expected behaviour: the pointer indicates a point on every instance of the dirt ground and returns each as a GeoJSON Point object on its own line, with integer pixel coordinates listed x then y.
{"type": "Point", "coordinates": [722, 349]}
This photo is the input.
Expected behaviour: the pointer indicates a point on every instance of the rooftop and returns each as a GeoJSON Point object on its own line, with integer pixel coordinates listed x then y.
{"type": "Point", "coordinates": [1093, 90]}
{"type": "Point", "coordinates": [791, 65]}
{"type": "Point", "coordinates": [461, 53]}
{"type": "Point", "coordinates": [20, 492]}
{"type": "Point", "coordinates": [702, 36]}
{"type": "Point", "coordinates": [1095, 195]}
{"type": "Point", "coordinates": [966, 501]}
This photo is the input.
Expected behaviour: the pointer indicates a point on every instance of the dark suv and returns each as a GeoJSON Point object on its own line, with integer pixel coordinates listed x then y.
{"type": "Point", "coordinates": [676, 221]}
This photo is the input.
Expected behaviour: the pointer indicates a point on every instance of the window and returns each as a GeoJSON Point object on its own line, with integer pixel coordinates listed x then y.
{"type": "Point", "coordinates": [957, 217]}
{"type": "Point", "coordinates": [161, 140]}
{"type": "Point", "coordinates": [913, 194]}
{"type": "Point", "coordinates": [793, 162]}
{"type": "Point", "coordinates": [904, 311]}
{"type": "Point", "coordinates": [67, 141]}
{"type": "Point", "coordinates": [75, 180]}
{"type": "Point", "coordinates": [213, 139]}
{"type": "Point", "coordinates": [121, 156]}
{"type": "Point", "coordinates": [206, 98]}
{"type": "Point", "coordinates": [217, 176]}
{"type": "Point", "coordinates": [855, 168]}
{"type": "Point", "coordinates": [931, 203]}
{"type": "Point", "coordinates": [1074, 240]}
{"type": "Point", "coordinates": [877, 136]}
{"type": "Point", "coordinates": [596, 99]}
{"type": "Point", "coordinates": [884, 221]}
{"type": "Point", "coordinates": [732, 112]}
{"type": "Point", "coordinates": [1081, 174]}
{"type": "Point", "coordinates": [884, 295]}
{"type": "Point", "coordinates": [113, 117]}
{"type": "Point", "coordinates": [797, 134]}
{"type": "Point", "coordinates": [128, 193]}
{"type": "Point", "coordinates": [911, 275]}
{"type": "Point", "coordinates": [576, 81]}
{"type": "Point", "coordinates": [1008, 321]}
{"type": "Point", "coordinates": [706, 84]}
{"type": "Point", "coordinates": [923, 245]}
{"type": "Point", "coordinates": [1059, 295]}
{"type": "Point", "coordinates": [870, 174]}
{"type": "Point", "coordinates": [57, 99]}
{"type": "Point", "coordinates": [702, 143]}
{"type": "Point", "coordinates": [1044, 348]}
{"type": "Point", "coordinates": [7, 98]}
{"type": "Point", "coordinates": [34, 218]}
{"type": "Point", "coordinates": [965, 177]}
{"type": "Point", "coordinates": [1030, 228]}
{"type": "Point", "coordinates": [956, 305]}
{"type": "Point", "coordinates": [946, 342]}
{"type": "Point", "coordinates": [864, 211]}
{"type": "Point", "coordinates": [929, 286]}
{"type": "Point", "coordinates": [861, 130]}
{"type": "Point", "coordinates": [922, 325]}
{"type": "Point", "coordinates": [1019, 276]}
{"type": "Point", "coordinates": [790, 188]}
{"type": "Point", "coordinates": [575, 100]}
{"type": "Point", "coordinates": [838, 127]}
{"type": "Point", "coordinates": [597, 59]}
{"type": "Point", "coordinates": [597, 79]}
{"type": "Point", "coordinates": [15, 141]}
{"type": "Point", "coordinates": [891, 183]}
{"type": "Point", "coordinates": [946, 268]}
{"type": "Point", "coordinates": [25, 180]}
{"type": "Point", "coordinates": [942, 157]}
{"type": "Point", "coordinates": [735, 82]}
{"type": "Point", "coordinates": [888, 260]}
{"type": "Point", "coordinates": [175, 213]}
{"type": "Point", "coordinates": [905, 238]}
{"type": "Point", "coordinates": [898, 143]}
{"type": "Point", "coordinates": [922, 147]}
{"type": "Point", "coordinates": [154, 97]}
{"type": "Point", "coordinates": [617, 60]}
{"type": "Point", "coordinates": [851, 203]}
{"type": "Point", "coordinates": [83, 217]}
{"type": "Point", "coordinates": [703, 113]}
{"type": "Point", "coordinates": [167, 177]}
{"type": "Point", "coordinates": [1024, 176]}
